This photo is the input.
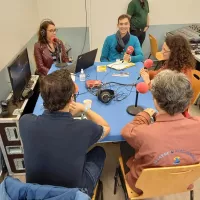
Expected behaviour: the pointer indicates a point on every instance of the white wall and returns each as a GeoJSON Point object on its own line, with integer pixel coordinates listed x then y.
{"type": "Point", "coordinates": [65, 13]}
{"type": "Point", "coordinates": [18, 21]}
{"type": "Point", "coordinates": [104, 16]}
{"type": "Point", "coordinates": [174, 11]}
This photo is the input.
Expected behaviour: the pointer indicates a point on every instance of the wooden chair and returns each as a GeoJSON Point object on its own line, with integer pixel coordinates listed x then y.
{"type": "Point", "coordinates": [195, 85]}
{"type": "Point", "coordinates": [154, 50]}
{"type": "Point", "coordinates": [98, 191]}
{"type": "Point", "coordinates": [160, 181]}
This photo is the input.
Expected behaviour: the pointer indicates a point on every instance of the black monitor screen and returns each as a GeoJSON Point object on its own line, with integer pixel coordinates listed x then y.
{"type": "Point", "coordinates": [20, 73]}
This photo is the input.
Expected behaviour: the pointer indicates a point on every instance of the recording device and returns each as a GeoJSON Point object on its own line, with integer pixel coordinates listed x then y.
{"type": "Point", "coordinates": [59, 63]}
{"type": "Point", "coordinates": [195, 40]}
{"type": "Point", "coordinates": [90, 84]}
{"type": "Point", "coordinates": [197, 52]}
{"type": "Point", "coordinates": [27, 93]}
{"type": "Point", "coordinates": [147, 64]}
{"type": "Point", "coordinates": [106, 95]}
{"type": "Point", "coordinates": [135, 109]}
{"type": "Point", "coordinates": [3, 108]}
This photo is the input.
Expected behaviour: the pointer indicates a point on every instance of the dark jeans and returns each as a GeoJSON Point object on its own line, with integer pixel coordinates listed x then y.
{"type": "Point", "coordinates": [140, 35]}
{"type": "Point", "coordinates": [93, 168]}
{"type": "Point", "coordinates": [126, 152]}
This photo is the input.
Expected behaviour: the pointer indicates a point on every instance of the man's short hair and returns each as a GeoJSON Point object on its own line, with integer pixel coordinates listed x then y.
{"type": "Point", "coordinates": [172, 90]}
{"type": "Point", "coordinates": [124, 16]}
{"type": "Point", "coordinates": [57, 89]}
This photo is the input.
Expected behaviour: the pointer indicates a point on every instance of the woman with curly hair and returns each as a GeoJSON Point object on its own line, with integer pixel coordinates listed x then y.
{"type": "Point", "coordinates": [177, 53]}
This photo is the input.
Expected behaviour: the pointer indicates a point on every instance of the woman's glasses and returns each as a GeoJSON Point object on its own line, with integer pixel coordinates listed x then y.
{"type": "Point", "coordinates": [53, 30]}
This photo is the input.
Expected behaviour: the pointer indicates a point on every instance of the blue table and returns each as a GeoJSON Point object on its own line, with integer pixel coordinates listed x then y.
{"type": "Point", "coordinates": [115, 112]}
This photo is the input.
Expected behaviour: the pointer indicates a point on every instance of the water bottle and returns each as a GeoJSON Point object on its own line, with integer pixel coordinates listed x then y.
{"type": "Point", "coordinates": [82, 75]}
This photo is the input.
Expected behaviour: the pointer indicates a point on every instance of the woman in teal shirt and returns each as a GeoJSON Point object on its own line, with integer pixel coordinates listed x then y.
{"type": "Point", "coordinates": [115, 45]}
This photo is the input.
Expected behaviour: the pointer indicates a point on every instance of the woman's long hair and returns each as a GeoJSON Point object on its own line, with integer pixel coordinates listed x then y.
{"type": "Point", "coordinates": [180, 54]}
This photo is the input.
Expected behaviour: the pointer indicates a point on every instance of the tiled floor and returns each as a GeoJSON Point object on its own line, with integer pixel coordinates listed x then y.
{"type": "Point", "coordinates": [112, 151]}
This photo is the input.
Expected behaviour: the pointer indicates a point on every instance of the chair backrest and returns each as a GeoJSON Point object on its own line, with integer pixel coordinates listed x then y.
{"type": "Point", "coordinates": [153, 45]}
{"type": "Point", "coordinates": [167, 180]}
{"type": "Point", "coordinates": [195, 85]}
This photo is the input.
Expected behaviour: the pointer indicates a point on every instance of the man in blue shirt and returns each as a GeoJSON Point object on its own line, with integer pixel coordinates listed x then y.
{"type": "Point", "coordinates": [115, 45]}
{"type": "Point", "coordinates": [56, 144]}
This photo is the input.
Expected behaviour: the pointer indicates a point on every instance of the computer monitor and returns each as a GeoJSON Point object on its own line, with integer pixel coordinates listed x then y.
{"type": "Point", "coordinates": [20, 74]}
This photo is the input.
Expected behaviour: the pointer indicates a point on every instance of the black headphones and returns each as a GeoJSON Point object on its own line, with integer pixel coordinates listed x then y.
{"type": "Point", "coordinates": [42, 30]}
{"type": "Point", "coordinates": [105, 96]}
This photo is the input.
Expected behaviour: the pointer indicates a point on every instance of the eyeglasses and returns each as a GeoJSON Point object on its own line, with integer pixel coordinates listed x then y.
{"type": "Point", "coordinates": [53, 30]}
{"type": "Point", "coordinates": [165, 51]}
{"type": "Point", "coordinates": [75, 96]}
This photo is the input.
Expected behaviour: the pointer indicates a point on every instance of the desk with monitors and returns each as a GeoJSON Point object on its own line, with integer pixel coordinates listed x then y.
{"type": "Point", "coordinates": [18, 105]}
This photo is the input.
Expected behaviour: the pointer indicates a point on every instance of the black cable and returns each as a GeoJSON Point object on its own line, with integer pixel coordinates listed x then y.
{"type": "Point", "coordinates": [133, 84]}
{"type": "Point", "coordinates": [82, 93]}
{"type": "Point", "coordinates": [85, 26]}
{"type": "Point", "coordinates": [125, 95]}
{"type": "Point", "coordinates": [93, 91]}
{"type": "Point", "coordinates": [106, 74]}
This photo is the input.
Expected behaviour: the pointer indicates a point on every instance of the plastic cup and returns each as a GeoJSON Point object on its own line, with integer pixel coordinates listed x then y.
{"type": "Point", "coordinates": [88, 103]}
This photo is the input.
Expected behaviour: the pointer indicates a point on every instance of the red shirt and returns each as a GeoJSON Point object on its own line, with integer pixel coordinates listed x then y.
{"type": "Point", "coordinates": [170, 141]}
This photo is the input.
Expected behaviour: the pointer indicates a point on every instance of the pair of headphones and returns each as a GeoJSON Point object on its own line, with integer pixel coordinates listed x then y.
{"type": "Point", "coordinates": [106, 95]}
{"type": "Point", "coordinates": [42, 30]}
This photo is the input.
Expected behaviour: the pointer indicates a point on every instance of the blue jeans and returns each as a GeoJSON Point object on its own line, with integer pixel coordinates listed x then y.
{"type": "Point", "coordinates": [93, 168]}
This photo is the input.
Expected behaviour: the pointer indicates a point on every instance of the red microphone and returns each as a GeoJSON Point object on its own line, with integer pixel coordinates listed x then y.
{"type": "Point", "coordinates": [130, 50]}
{"type": "Point", "coordinates": [135, 109]}
{"type": "Point", "coordinates": [54, 39]}
{"type": "Point", "coordinates": [147, 64]}
{"type": "Point", "coordinates": [142, 87]}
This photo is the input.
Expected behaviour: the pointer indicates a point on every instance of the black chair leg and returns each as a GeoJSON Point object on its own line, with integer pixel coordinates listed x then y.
{"type": "Point", "coordinates": [191, 195]}
{"type": "Point", "coordinates": [149, 56]}
{"type": "Point", "coordinates": [101, 190]}
{"type": "Point", "coordinates": [99, 195]}
{"type": "Point", "coordinates": [116, 179]}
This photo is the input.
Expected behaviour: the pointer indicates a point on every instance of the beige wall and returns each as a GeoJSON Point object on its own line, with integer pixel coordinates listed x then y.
{"type": "Point", "coordinates": [104, 16]}
{"type": "Point", "coordinates": [174, 11]}
{"type": "Point", "coordinates": [18, 21]}
{"type": "Point", "coordinates": [65, 13]}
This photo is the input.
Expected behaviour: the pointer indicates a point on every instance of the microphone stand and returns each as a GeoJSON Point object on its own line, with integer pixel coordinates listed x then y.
{"type": "Point", "coordinates": [134, 109]}
{"type": "Point", "coordinates": [59, 63]}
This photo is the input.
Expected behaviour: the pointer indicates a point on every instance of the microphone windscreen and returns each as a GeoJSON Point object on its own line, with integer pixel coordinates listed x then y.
{"type": "Point", "coordinates": [129, 50]}
{"type": "Point", "coordinates": [142, 87]}
{"type": "Point", "coordinates": [148, 63]}
{"type": "Point", "coordinates": [54, 39]}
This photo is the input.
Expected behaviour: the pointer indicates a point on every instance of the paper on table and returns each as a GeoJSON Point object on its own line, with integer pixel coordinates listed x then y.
{"type": "Point", "coordinates": [120, 65]}
{"type": "Point", "coordinates": [101, 68]}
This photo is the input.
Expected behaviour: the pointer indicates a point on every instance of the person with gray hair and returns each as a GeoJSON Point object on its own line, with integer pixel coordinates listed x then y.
{"type": "Point", "coordinates": [171, 139]}
{"type": "Point", "coordinates": [172, 92]}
